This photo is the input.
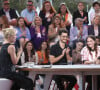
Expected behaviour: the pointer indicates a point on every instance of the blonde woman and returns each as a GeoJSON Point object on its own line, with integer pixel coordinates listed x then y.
{"type": "Point", "coordinates": [8, 60]}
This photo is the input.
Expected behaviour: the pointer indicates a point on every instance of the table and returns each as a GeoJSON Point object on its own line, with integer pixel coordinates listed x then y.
{"type": "Point", "coordinates": [80, 70]}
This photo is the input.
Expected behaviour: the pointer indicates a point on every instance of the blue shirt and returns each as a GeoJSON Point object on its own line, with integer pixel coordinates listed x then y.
{"type": "Point", "coordinates": [29, 15]}
{"type": "Point", "coordinates": [19, 32]}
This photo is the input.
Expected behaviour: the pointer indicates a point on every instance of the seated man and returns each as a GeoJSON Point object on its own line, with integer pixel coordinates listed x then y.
{"type": "Point", "coordinates": [59, 55]}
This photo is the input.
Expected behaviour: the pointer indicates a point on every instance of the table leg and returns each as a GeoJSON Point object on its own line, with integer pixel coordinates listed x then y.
{"type": "Point", "coordinates": [94, 82]}
{"type": "Point", "coordinates": [80, 81]}
{"type": "Point", "coordinates": [47, 81]}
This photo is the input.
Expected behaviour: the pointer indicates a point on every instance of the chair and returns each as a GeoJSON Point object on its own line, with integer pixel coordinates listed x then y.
{"type": "Point", "coordinates": [5, 84]}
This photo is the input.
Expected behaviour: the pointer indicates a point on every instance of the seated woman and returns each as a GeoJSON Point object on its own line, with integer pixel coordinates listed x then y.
{"type": "Point", "coordinates": [76, 53]}
{"type": "Point", "coordinates": [28, 54]}
{"type": "Point", "coordinates": [90, 54]}
{"type": "Point", "coordinates": [23, 34]}
{"type": "Point", "coordinates": [43, 54]}
{"type": "Point", "coordinates": [38, 32]}
{"type": "Point", "coordinates": [54, 28]}
{"type": "Point", "coordinates": [79, 31]}
{"type": "Point", "coordinates": [8, 60]}
{"type": "Point", "coordinates": [94, 29]}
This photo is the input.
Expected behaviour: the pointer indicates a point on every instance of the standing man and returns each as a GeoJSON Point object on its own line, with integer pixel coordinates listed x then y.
{"type": "Point", "coordinates": [29, 13]}
{"type": "Point", "coordinates": [80, 13]}
{"type": "Point", "coordinates": [59, 55]}
{"type": "Point", "coordinates": [10, 13]}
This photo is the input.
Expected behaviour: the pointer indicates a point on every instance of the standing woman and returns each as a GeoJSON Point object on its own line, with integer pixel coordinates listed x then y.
{"type": "Point", "coordinates": [46, 14]}
{"type": "Point", "coordinates": [8, 60]}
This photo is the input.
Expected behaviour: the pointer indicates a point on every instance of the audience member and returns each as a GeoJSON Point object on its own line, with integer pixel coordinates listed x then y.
{"type": "Point", "coordinates": [10, 13]}
{"type": "Point", "coordinates": [65, 16]}
{"type": "Point", "coordinates": [91, 52]}
{"type": "Point", "coordinates": [76, 53]}
{"type": "Point", "coordinates": [47, 14]}
{"type": "Point", "coordinates": [80, 13]}
{"type": "Point", "coordinates": [28, 54]}
{"type": "Point", "coordinates": [59, 55]}
{"type": "Point", "coordinates": [29, 13]}
{"type": "Point", "coordinates": [53, 30]}
{"type": "Point", "coordinates": [96, 6]}
{"type": "Point", "coordinates": [90, 55]}
{"type": "Point", "coordinates": [98, 40]}
{"type": "Point", "coordinates": [94, 29]}
{"type": "Point", "coordinates": [38, 33]}
{"type": "Point", "coordinates": [23, 33]}
{"type": "Point", "coordinates": [8, 60]}
{"type": "Point", "coordinates": [4, 22]}
{"type": "Point", "coordinates": [43, 53]}
{"type": "Point", "coordinates": [79, 31]}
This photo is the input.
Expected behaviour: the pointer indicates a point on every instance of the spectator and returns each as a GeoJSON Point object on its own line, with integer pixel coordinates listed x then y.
{"type": "Point", "coordinates": [10, 13]}
{"type": "Point", "coordinates": [59, 55]}
{"type": "Point", "coordinates": [4, 22]}
{"type": "Point", "coordinates": [96, 6]}
{"type": "Point", "coordinates": [28, 54]}
{"type": "Point", "coordinates": [38, 33]}
{"type": "Point", "coordinates": [43, 53]}
{"type": "Point", "coordinates": [76, 53]}
{"type": "Point", "coordinates": [65, 16]}
{"type": "Point", "coordinates": [79, 31]}
{"type": "Point", "coordinates": [94, 29]}
{"type": "Point", "coordinates": [90, 55]}
{"type": "Point", "coordinates": [53, 30]}
{"type": "Point", "coordinates": [23, 33]}
{"type": "Point", "coordinates": [80, 13]}
{"type": "Point", "coordinates": [8, 60]}
{"type": "Point", "coordinates": [46, 14]}
{"type": "Point", "coordinates": [91, 52]}
{"type": "Point", "coordinates": [98, 40]}
{"type": "Point", "coordinates": [29, 13]}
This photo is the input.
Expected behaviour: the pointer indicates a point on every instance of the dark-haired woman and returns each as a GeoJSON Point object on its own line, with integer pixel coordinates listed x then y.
{"type": "Point", "coordinates": [43, 53]}
{"type": "Point", "coordinates": [28, 54]}
{"type": "Point", "coordinates": [90, 55]}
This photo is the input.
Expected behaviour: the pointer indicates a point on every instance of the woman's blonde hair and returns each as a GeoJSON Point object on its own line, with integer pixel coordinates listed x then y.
{"type": "Point", "coordinates": [9, 32]}
{"type": "Point", "coordinates": [95, 17]}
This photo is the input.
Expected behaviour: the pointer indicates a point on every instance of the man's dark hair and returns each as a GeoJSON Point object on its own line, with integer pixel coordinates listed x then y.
{"type": "Point", "coordinates": [63, 31]}
{"type": "Point", "coordinates": [30, 1]}
{"type": "Point", "coordinates": [96, 3]}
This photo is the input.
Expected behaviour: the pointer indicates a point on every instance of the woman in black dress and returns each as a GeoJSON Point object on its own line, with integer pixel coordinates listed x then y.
{"type": "Point", "coordinates": [8, 60]}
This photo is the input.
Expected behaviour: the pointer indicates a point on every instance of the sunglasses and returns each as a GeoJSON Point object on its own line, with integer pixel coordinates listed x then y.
{"type": "Point", "coordinates": [6, 3]}
{"type": "Point", "coordinates": [29, 5]}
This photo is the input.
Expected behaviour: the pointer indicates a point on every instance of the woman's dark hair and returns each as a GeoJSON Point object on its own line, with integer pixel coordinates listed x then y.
{"type": "Point", "coordinates": [95, 45]}
{"type": "Point", "coordinates": [46, 51]}
{"type": "Point", "coordinates": [59, 9]}
{"type": "Point", "coordinates": [26, 53]}
{"type": "Point", "coordinates": [96, 3]}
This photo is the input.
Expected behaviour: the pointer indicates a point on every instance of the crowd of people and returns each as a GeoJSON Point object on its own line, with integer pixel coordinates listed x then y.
{"type": "Point", "coordinates": [52, 37]}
